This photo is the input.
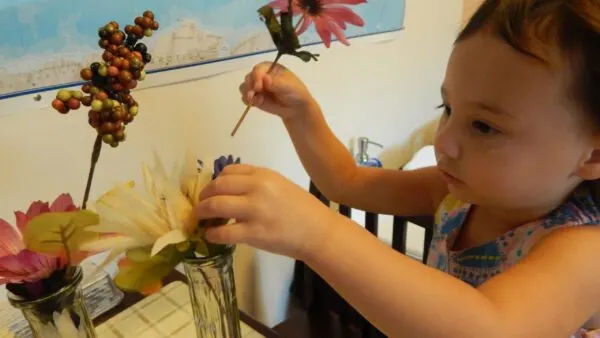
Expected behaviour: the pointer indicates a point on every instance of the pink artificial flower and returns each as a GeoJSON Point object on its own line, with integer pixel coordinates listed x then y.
{"type": "Point", "coordinates": [330, 16]}
{"type": "Point", "coordinates": [17, 264]}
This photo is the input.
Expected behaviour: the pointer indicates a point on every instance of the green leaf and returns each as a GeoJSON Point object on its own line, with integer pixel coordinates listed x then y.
{"type": "Point", "coordinates": [268, 17]}
{"type": "Point", "coordinates": [141, 272]}
{"type": "Point", "coordinates": [284, 34]}
{"type": "Point", "coordinates": [57, 233]}
{"type": "Point", "coordinates": [306, 56]}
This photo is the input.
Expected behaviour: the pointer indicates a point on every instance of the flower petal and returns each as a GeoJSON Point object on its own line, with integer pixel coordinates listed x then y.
{"type": "Point", "coordinates": [343, 14]}
{"type": "Point", "coordinates": [173, 237]}
{"type": "Point", "coordinates": [63, 202]}
{"type": "Point", "coordinates": [306, 21]}
{"type": "Point", "coordinates": [322, 27]}
{"type": "Point", "coordinates": [344, 2]}
{"type": "Point", "coordinates": [36, 208]}
{"type": "Point", "coordinates": [10, 239]}
{"type": "Point", "coordinates": [26, 266]}
{"type": "Point", "coordinates": [338, 32]}
{"type": "Point", "coordinates": [22, 220]}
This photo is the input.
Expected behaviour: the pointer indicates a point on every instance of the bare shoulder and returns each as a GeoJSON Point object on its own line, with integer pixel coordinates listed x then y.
{"type": "Point", "coordinates": [558, 276]}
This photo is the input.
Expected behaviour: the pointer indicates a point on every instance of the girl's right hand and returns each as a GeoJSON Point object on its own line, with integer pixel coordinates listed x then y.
{"type": "Point", "coordinates": [280, 92]}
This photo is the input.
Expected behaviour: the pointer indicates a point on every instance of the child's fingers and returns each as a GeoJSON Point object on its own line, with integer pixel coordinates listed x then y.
{"type": "Point", "coordinates": [224, 206]}
{"type": "Point", "coordinates": [228, 234]}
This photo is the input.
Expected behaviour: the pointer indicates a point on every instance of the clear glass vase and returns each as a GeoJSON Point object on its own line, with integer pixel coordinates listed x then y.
{"type": "Point", "coordinates": [213, 297]}
{"type": "Point", "coordinates": [60, 314]}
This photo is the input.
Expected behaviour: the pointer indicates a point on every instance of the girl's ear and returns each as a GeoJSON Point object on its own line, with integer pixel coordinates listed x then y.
{"type": "Point", "coordinates": [589, 169]}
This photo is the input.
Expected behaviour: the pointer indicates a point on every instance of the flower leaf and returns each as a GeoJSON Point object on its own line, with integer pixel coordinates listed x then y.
{"type": "Point", "coordinates": [60, 233]}
{"type": "Point", "coordinates": [141, 272]}
{"type": "Point", "coordinates": [284, 34]}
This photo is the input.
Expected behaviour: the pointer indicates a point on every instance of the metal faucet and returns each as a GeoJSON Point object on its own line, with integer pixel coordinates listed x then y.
{"type": "Point", "coordinates": [363, 144]}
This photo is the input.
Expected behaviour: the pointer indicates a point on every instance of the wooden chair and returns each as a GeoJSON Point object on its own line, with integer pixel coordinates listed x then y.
{"type": "Point", "coordinates": [323, 312]}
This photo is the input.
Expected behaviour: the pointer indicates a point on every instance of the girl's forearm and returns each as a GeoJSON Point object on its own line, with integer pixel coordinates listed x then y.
{"type": "Point", "coordinates": [399, 295]}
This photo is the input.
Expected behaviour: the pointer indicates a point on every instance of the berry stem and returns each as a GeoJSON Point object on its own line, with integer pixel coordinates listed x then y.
{"type": "Point", "coordinates": [239, 123]}
{"type": "Point", "coordinates": [95, 156]}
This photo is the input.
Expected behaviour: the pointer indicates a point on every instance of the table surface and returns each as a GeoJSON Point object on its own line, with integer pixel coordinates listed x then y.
{"type": "Point", "coordinates": [167, 313]}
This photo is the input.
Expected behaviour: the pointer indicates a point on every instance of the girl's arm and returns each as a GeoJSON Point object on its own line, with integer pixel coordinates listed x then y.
{"type": "Point", "coordinates": [333, 170]}
{"type": "Point", "coordinates": [551, 293]}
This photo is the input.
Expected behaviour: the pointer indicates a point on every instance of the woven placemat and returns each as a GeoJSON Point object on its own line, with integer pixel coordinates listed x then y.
{"type": "Point", "coordinates": [167, 313]}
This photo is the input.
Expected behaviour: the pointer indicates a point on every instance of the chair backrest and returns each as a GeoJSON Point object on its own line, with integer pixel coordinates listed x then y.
{"type": "Point", "coordinates": [315, 295]}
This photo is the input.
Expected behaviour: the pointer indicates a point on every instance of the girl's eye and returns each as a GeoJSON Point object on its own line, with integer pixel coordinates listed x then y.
{"type": "Point", "coordinates": [447, 110]}
{"type": "Point", "coordinates": [483, 127]}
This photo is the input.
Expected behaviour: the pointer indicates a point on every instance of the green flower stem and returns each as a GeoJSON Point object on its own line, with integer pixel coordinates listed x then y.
{"type": "Point", "coordinates": [95, 156]}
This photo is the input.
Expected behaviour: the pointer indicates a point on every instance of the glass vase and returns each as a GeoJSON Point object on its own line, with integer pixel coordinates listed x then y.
{"type": "Point", "coordinates": [213, 297]}
{"type": "Point", "coordinates": [59, 314]}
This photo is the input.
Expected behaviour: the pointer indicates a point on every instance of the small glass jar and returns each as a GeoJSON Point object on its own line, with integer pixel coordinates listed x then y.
{"type": "Point", "coordinates": [60, 314]}
{"type": "Point", "coordinates": [213, 297]}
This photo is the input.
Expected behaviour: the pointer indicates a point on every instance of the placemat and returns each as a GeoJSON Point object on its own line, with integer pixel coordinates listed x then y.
{"type": "Point", "coordinates": [167, 313]}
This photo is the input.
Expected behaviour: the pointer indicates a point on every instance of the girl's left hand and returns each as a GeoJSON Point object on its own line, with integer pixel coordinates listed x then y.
{"type": "Point", "coordinates": [271, 212]}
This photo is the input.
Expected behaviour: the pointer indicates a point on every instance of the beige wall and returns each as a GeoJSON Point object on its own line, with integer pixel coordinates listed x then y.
{"type": "Point", "coordinates": [382, 87]}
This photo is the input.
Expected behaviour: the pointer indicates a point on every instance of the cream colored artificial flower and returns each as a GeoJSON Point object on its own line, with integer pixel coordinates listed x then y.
{"type": "Point", "coordinates": [62, 327]}
{"type": "Point", "coordinates": [159, 215]}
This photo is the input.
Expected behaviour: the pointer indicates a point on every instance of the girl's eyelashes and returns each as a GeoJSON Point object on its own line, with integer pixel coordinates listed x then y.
{"type": "Point", "coordinates": [479, 127]}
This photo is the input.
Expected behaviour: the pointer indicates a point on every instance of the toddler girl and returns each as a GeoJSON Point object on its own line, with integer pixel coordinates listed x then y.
{"type": "Point", "coordinates": [517, 237]}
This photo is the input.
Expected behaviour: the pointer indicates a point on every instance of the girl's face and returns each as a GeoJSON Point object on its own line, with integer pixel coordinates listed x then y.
{"type": "Point", "coordinates": [510, 136]}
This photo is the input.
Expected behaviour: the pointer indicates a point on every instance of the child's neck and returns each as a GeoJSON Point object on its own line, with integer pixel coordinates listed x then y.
{"type": "Point", "coordinates": [485, 224]}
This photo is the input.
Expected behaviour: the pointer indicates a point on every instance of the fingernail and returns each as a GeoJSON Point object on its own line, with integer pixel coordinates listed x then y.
{"type": "Point", "coordinates": [250, 95]}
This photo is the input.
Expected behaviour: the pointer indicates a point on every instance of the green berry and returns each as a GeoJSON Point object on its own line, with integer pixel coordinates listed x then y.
{"type": "Point", "coordinates": [103, 70]}
{"type": "Point", "coordinates": [108, 138]}
{"type": "Point", "coordinates": [142, 75]}
{"type": "Point", "coordinates": [107, 104]}
{"type": "Point", "coordinates": [114, 144]}
{"type": "Point", "coordinates": [94, 90]}
{"type": "Point", "coordinates": [96, 105]}
{"type": "Point", "coordinates": [77, 94]}
{"type": "Point", "coordinates": [63, 95]}
{"type": "Point", "coordinates": [133, 110]}
{"type": "Point", "coordinates": [148, 32]}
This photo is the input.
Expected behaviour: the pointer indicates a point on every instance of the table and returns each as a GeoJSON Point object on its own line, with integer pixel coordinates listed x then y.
{"type": "Point", "coordinates": [170, 315]}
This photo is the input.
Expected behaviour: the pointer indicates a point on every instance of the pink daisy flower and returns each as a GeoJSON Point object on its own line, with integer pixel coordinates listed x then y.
{"type": "Point", "coordinates": [329, 16]}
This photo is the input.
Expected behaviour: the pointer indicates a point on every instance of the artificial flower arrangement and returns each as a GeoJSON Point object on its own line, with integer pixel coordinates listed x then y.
{"type": "Point", "coordinates": [40, 257]}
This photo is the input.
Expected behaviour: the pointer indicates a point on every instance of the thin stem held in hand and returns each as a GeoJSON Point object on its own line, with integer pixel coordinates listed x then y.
{"type": "Point", "coordinates": [95, 156]}
{"type": "Point", "coordinates": [239, 123]}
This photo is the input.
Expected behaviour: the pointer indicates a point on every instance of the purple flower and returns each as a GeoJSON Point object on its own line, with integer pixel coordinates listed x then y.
{"type": "Point", "coordinates": [222, 162]}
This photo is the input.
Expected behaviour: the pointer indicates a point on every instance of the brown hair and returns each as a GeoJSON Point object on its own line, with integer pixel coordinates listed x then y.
{"type": "Point", "coordinates": [543, 28]}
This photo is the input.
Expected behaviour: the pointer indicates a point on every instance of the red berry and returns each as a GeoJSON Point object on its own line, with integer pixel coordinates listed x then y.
{"type": "Point", "coordinates": [125, 77]}
{"type": "Point", "coordinates": [113, 71]}
{"type": "Point", "coordinates": [58, 104]}
{"type": "Point", "coordinates": [132, 84]}
{"type": "Point", "coordinates": [86, 88]}
{"type": "Point", "coordinates": [113, 49]}
{"type": "Point", "coordinates": [117, 87]}
{"type": "Point", "coordinates": [155, 25]}
{"type": "Point", "coordinates": [101, 96]}
{"type": "Point", "coordinates": [146, 22]}
{"type": "Point", "coordinates": [86, 74]}
{"type": "Point", "coordinates": [107, 56]}
{"type": "Point", "coordinates": [128, 29]}
{"type": "Point", "coordinates": [125, 64]}
{"type": "Point", "coordinates": [117, 38]}
{"type": "Point", "coordinates": [137, 30]}
{"type": "Point", "coordinates": [103, 44]}
{"type": "Point", "coordinates": [149, 14]}
{"type": "Point", "coordinates": [73, 104]}
{"type": "Point", "coordinates": [138, 20]}
{"type": "Point", "coordinates": [86, 101]}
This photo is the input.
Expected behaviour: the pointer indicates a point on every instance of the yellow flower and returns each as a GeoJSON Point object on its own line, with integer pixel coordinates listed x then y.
{"type": "Point", "coordinates": [159, 215]}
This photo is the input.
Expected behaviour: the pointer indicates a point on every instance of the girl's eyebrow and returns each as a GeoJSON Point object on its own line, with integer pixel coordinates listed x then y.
{"type": "Point", "coordinates": [492, 108]}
